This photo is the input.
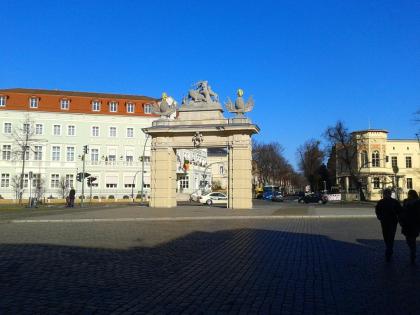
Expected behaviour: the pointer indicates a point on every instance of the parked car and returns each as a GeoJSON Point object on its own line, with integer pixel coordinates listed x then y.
{"type": "Point", "coordinates": [277, 196]}
{"type": "Point", "coordinates": [314, 198]}
{"type": "Point", "coordinates": [213, 198]}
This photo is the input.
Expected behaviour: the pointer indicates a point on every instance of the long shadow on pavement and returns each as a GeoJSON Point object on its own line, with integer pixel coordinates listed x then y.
{"type": "Point", "coordinates": [233, 271]}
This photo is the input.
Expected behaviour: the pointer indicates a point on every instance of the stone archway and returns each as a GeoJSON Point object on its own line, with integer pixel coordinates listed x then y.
{"type": "Point", "coordinates": [200, 123]}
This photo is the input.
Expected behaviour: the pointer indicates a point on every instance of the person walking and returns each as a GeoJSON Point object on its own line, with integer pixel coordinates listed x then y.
{"type": "Point", "coordinates": [72, 195]}
{"type": "Point", "coordinates": [387, 211]}
{"type": "Point", "coordinates": [410, 222]}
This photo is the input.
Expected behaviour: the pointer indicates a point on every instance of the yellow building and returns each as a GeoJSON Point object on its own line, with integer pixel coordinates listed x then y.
{"type": "Point", "coordinates": [378, 163]}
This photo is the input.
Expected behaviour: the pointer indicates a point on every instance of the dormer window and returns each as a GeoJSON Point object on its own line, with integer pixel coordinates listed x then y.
{"type": "Point", "coordinates": [96, 106]}
{"type": "Point", "coordinates": [33, 102]}
{"type": "Point", "coordinates": [130, 108]}
{"type": "Point", "coordinates": [3, 100]}
{"type": "Point", "coordinates": [113, 106]}
{"type": "Point", "coordinates": [147, 108]}
{"type": "Point", "coordinates": [65, 104]}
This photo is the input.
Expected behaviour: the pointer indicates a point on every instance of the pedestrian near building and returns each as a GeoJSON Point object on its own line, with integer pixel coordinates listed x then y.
{"type": "Point", "coordinates": [410, 222]}
{"type": "Point", "coordinates": [387, 211]}
{"type": "Point", "coordinates": [72, 195]}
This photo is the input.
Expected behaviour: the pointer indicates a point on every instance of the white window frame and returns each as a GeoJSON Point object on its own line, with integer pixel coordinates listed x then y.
{"type": "Point", "coordinates": [409, 183]}
{"type": "Point", "coordinates": [110, 133]}
{"type": "Point", "coordinates": [130, 135]}
{"type": "Point", "coordinates": [59, 129]}
{"type": "Point", "coordinates": [69, 180]}
{"type": "Point", "coordinates": [3, 100]}
{"type": "Point", "coordinates": [394, 158]}
{"type": "Point", "coordinates": [74, 130]}
{"type": "Point", "coordinates": [147, 109]}
{"type": "Point", "coordinates": [7, 131]}
{"type": "Point", "coordinates": [408, 162]}
{"type": "Point", "coordinates": [113, 106]}
{"type": "Point", "coordinates": [130, 107]}
{"type": "Point", "coordinates": [96, 106]}
{"type": "Point", "coordinates": [6, 152]}
{"type": "Point", "coordinates": [376, 183]}
{"type": "Point", "coordinates": [33, 102]}
{"type": "Point", "coordinates": [38, 153]}
{"type": "Point", "coordinates": [70, 153]}
{"type": "Point", "coordinates": [39, 127]}
{"type": "Point", "coordinates": [55, 154]}
{"type": "Point", "coordinates": [65, 104]}
{"type": "Point", "coordinates": [5, 180]}
{"type": "Point", "coordinates": [95, 131]}
{"type": "Point", "coordinates": [94, 155]}
{"type": "Point", "coordinates": [55, 181]}
{"type": "Point", "coordinates": [376, 159]}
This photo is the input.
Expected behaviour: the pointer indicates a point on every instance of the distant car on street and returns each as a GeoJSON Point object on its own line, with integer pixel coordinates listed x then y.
{"type": "Point", "coordinates": [314, 198]}
{"type": "Point", "coordinates": [277, 196]}
{"type": "Point", "coordinates": [269, 191]}
{"type": "Point", "coordinates": [213, 198]}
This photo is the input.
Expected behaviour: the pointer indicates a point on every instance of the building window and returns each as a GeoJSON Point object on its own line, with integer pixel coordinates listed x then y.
{"type": "Point", "coordinates": [2, 101]}
{"type": "Point", "coordinates": [129, 159]}
{"type": "Point", "coordinates": [409, 183]}
{"type": "Point", "coordinates": [111, 181]}
{"type": "Point", "coordinates": [65, 104]}
{"type": "Point", "coordinates": [376, 182]}
{"type": "Point", "coordinates": [33, 102]}
{"type": "Point", "coordinates": [112, 131]}
{"type": "Point", "coordinates": [147, 108]}
{"type": "Point", "coordinates": [38, 153]}
{"type": "Point", "coordinates": [56, 153]}
{"type": "Point", "coordinates": [130, 132]}
{"type": "Point", "coordinates": [7, 152]}
{"type": "Point", "coordinates": [25, 180]}
{"type": "Point", "coordinates": [39, 129]}
{"type": "Point", "coordinates": [184, 182]}
{"type": "Point", "coordinates": [375, 159]}
{"type": "Point", "coordinates": [5, 180]}
{"type": "Point", "coordinates": [7, 128]}
{"type": "Point", "coordinates": [394, 161]}
{"type": "Point", "coordinates": [71, 130]}
{"type": "Point", "coordinates": [55, 181]}
{"type": "Point", "coordinates": [96, 106]}
{"type": "Point", "coordinates": [70, 154]}
{"type": "Point", "coordinates": [113, 106]}
{"type": "Point", "coordinates": [364, 159]}
{"type": "Point", "coordinates": [408, 162]}
{"type": "Point", "coordinates": [69, 180]}
{"type": "Point", "coordinates": [94, 156]}
{"type": "Point", "coordinates": [95, 131]}
{"type": "Point", "coordinates": [56, 130]}
{"type": "Point", "coordinates": [26, 128]}
{"type": "Point", "coordinates": [221, 170]}
{"type": "Point", "coordinates": [130, 108]}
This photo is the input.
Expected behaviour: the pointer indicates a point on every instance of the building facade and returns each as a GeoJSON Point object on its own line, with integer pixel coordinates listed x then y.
{"type": "Point", "coordinates": [381, 163]}
{"type": "Point", "coordinates": [218, 163]}
{"type": "Point", "coordinates": [45, 131]}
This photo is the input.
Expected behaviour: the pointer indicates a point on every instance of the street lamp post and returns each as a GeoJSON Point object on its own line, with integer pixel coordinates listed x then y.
{"type": "Point", "coordinates": [132, 185]}
{"type": "Point", "coordinates": [142, 167]}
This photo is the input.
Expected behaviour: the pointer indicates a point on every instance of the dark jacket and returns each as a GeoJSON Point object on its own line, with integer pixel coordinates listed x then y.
{"type": "Point", "coordinates": [410, 218]}
{"type": "Point", "coordinates": [388, 210]}
{"type": "Point", "coordinates": [72, 193]}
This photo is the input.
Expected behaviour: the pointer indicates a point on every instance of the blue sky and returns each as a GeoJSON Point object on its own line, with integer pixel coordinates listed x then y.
{"type": "Point", "coordinates": [306, 63]}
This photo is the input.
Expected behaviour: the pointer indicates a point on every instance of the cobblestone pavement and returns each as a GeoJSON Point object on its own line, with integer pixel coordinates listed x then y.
{"type": "Point", "coordinates": [281, 266]}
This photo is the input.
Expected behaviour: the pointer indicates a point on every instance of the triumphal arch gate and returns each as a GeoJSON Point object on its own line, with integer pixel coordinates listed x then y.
{"type": "Point", "coordinates": [199, 123]}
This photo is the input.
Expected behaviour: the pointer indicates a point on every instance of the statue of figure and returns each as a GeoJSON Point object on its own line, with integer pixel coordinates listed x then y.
{"type": "Point", "coordinates": [240, 107]}
{"type": "Point", "coordinates": [164, 108]}
{"type": "Point", "coordinates": [202, 94]}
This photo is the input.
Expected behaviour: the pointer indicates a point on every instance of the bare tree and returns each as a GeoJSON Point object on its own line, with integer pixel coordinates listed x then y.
{"type": "Point", "coordinates": [310, 157]}
{"type": "Point", "coordinates": [15, 184]}
{"type": "Point", "coordinates": [347, 146]}
{"type": "Point", "coordinates": [24, 138]}
{"type": "Point", "coordinates": [39, 186]}
{"type": "Point", "coordinates": [64, 187]}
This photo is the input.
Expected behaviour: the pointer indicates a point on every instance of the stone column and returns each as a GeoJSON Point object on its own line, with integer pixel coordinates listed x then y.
{"type": "Point", "coordinates": [240, 176]}
{"type": "Point", "coordinates": [346, 184]}
{"type": "Point", "coordinates": [163, 178]}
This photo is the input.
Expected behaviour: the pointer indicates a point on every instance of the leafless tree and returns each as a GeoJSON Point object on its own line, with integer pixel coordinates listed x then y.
{"type": "Point", "coordinates": [310, 157]}
{"type": "Point", "coordinates": [347, 147]}
{"type": "Point", "coordinates": [39, 186]}
{"type": "Point", "coordinates": [15, 184]}
{"type": "Point", "coordinates": [64, 187]}
{"type": "Point", "coordinates": [24, 139]}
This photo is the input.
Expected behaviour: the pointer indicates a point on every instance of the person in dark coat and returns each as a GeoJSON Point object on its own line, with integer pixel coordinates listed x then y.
{"type": "Point", "coordinates": [387, 211]}
{"type": "Point", "coordinates": [410, 222]}
{"type": "Point", "coordinates": [72, 195]}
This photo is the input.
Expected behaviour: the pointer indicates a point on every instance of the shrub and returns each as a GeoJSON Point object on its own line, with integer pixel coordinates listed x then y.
{"type": "Point", "coordinates": [95, 197]}
{"type": "Point", "coordinates": [126, 197]}
{"type": "Point", "coordinates": [103, 197]}
{"type": "Point", "coordinates": [111, 197]}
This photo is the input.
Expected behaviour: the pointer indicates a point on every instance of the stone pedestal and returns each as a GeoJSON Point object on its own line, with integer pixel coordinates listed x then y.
{"type": "Point", "coordinates": [240, 177]}
{"type": "Point", "coordinates": [163, 178]}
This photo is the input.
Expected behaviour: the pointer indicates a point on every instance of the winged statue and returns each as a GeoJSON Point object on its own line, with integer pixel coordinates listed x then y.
{"type": "Point", "coordinates": [240, 106]}
{"type": "Point", "coordinates": [165, 107]}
